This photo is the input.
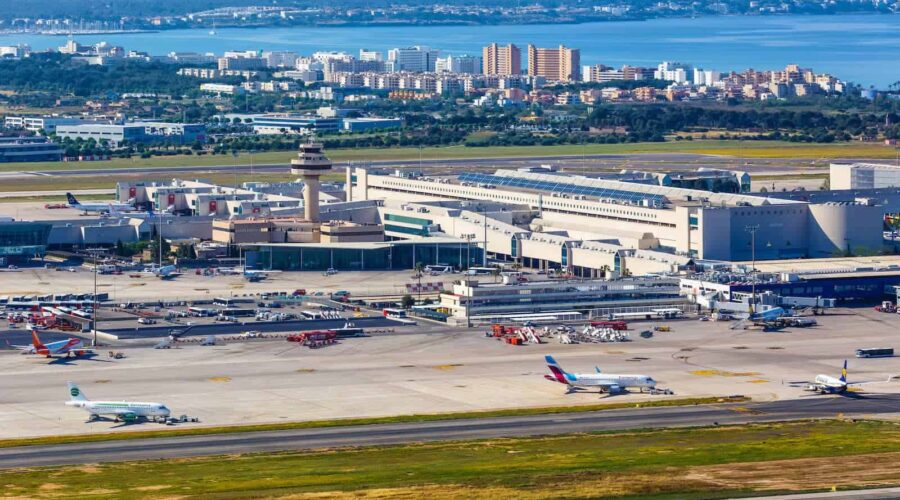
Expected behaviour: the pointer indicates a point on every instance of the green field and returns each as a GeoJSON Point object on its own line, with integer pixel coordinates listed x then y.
{"type": "Point", "coordinates": [746, 149]}
{"type": "Point", "coordinates": [714, 462]}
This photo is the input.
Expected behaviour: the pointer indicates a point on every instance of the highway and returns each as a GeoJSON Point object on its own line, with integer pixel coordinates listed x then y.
{"type": "Point", "coordinates": [483, 428]}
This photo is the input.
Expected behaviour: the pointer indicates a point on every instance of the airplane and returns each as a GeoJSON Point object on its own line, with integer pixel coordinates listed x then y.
{"type": "Point", "coordinates": [117, 212]}
{"type": "Point", "coordinates": [68, 347]}
{"type": "Point", "coordinates": [769, 320]}
{"type": "Point", "coordinates": [254, 276]}
{"type": "Point", "coordinates": [125, 411]}
{"type": "Point", "coordinates": [99, 208]}
{"type": "Point", "coordinates": [167, 272]}
{"type": "Point", "coordinates": [607, 382]}
{"type": "Point", "coordinates": [827, 384]}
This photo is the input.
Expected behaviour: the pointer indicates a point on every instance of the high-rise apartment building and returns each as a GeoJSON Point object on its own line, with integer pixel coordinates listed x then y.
{"type": "Point", "coordinates": [418, 59]}
{"type": "Point", "coordinates": [559, 64]}
{"type": "Point", "coordinates": [459, 64]}
{"type": "Point", "coordinates": [501, 60]}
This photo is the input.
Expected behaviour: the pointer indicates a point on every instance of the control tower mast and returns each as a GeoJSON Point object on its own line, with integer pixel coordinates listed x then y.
{"type": "Point", "coordinates": [310, 164]}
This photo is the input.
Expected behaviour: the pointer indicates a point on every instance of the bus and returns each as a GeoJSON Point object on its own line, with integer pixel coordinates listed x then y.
{"type": "Point", "coordinates": [200, 312]}
{"type": "Point", "coordinates": [224, 302]}
{"type": "Point", "coordinates": [393, 312]}
{"type": "Point", "coordinates": [311, 314]}
{"type": "Point", "coordinates": [476, 271]}
{"type": "Point", "coordinates": [883, 352]}
{"type": "Point", "coordinates": [236, 313]}
{"type": "Point", "coordinates": [439, 269]}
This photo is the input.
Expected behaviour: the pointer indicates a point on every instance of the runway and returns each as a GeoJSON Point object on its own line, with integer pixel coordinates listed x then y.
{"type": "Point", "coordinates": [667, 161]}
{"type": "Point", "coordinates": [282, 167]}
{"type": "Point", "coordinates": [386, 434]}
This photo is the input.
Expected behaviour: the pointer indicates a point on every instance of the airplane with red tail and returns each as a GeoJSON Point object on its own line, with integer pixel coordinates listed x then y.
{"type": "Point", "coordinates": [68, 348]}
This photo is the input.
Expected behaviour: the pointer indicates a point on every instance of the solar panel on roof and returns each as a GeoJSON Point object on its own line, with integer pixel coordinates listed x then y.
{"type": "Point", "coordinates": [560, 187]}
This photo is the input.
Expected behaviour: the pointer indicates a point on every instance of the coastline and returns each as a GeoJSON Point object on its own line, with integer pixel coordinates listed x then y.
{"type": "Point", "coordinates": [338, 23]}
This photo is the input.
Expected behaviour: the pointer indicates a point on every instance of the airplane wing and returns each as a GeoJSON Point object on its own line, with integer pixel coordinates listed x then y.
{"type": "Point", "coordinates": [867, 382]}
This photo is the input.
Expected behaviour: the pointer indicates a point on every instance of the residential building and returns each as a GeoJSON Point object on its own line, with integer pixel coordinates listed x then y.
{"type": "Point", "coordinates": [222, 88]}
{"type": "Point", "coordinates": [554, 64]}
{"type": "Point", "coordinates": [369, 55]}
{"type": "Point", "coordinates": [501, 60]}
{"type": "Point", "coordinates": [673, 72]}
{"type": "Point", "coordinates": [418, 59]}
{"type": "Point", "coordinates": [464, 64]}
{"type": "Point", "coordinates": [241, 62]}
{"type": "Point", "coordinates": [280, 59]}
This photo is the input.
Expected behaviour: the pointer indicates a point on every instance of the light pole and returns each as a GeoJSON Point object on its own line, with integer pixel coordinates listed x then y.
{"type": "Point", "coordinates": [484, 253]}
{"type": "Point", "coordinates": [752, 229]}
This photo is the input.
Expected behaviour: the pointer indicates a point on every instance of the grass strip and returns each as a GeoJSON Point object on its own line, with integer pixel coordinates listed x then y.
{"type": "Point", "coordinates": [426, 417]}
{"type": "Point", "coordinates": [742, 149]}
{"type": "Point", "coordinates": [706, 462]}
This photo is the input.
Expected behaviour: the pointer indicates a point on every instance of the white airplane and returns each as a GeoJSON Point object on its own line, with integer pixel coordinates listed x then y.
{"type": "Point", "coordinates": [167, 272]}
{"type": "Point", "coordinates": [125, 411]}
{"type": "Point", "coordinates": [100, 208]}
{"type": "Point", "coordinates": [68, 348]}
{"type": "Point", "coordinates": [252, 275]}
{"type": "Point", "coordinates": [826, 384]}
{"type": "Point", "coordinates": [607, 382]}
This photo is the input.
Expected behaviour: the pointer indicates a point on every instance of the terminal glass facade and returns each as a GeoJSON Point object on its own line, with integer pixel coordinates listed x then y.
{"type": "Point", "coordinates": [399, 255]}
{"type": "Point", "coordinates": [23, 240]}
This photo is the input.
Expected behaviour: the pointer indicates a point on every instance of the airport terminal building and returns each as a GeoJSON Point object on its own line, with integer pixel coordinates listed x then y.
{"type": "Point", "coordinates": [572, 213]}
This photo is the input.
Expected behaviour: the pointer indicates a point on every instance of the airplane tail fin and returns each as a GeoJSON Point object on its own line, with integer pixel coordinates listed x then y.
{"type": "Point", "coordinates": [75, 392]}
{"type": "Point", "coordinates": [844, 372]}
{"type": "Point", "coordinates": [36, 340]}
{"type": "Point", "coordinates": [559, 374]}
{"type": "Point", "coordinates": [71, 199]}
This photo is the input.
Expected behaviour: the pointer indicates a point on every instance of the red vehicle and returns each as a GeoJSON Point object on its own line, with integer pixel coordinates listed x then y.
{"type": "Point", "coordinates": [615, 325]}
{"type": "Point", "coordinates": [298, 292]}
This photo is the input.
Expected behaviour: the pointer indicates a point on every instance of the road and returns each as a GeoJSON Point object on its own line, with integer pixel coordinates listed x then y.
{"type": "Point", "coordinates": [483, 428]}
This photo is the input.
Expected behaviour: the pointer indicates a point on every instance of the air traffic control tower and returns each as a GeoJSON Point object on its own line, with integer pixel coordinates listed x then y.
{"type": "Point", "coordinates": [310, 164]}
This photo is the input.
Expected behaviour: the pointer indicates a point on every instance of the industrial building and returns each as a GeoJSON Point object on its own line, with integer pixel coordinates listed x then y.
{"type": "Point", "coordinates": [19, 149]}
{"type": "Point", "coordinates": [863, 176]}
{"type": "Point", "coordinates": [134, 132]}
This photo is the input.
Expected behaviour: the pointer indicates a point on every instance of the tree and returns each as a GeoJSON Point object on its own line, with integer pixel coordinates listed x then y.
{"type": "Point", "coordinates": [407, 301]}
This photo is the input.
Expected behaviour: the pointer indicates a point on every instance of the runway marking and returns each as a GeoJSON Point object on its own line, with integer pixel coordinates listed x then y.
{"type": "Point", "coordinates": [304, 370]}
{"type": "Point", "coordinates": [220, 379]}
{"type": "Point", "coordinates": [446, 367]}
{"type": "Point", "coordinates": [758, 381]}
{"type": "Point", "coordinates": [723, 373]}
{"type": "Point", "coordinates": [746, 411]}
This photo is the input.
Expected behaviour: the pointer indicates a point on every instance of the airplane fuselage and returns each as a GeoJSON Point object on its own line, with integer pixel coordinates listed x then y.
{"type": "Point", "coordinates": [605, 380]}
{"type": "Point", "coordinates": [827, 383]}
{"type": "Point", "coordinates": [120, 408]}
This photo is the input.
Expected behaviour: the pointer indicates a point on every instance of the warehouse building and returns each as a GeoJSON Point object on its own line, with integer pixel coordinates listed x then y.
{"type": "Point", "coordinates": [134, 132]}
